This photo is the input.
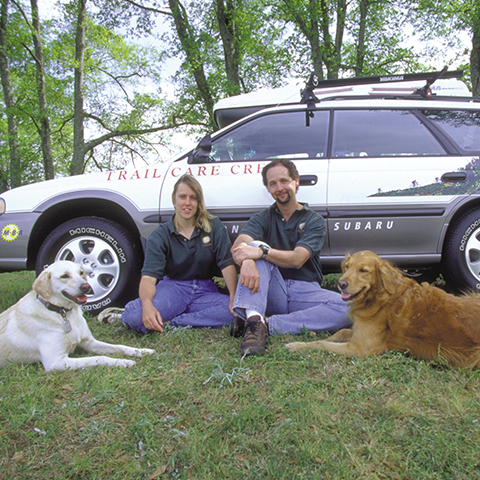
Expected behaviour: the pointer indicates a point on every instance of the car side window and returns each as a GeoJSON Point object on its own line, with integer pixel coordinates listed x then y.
{"type": "Point", "coordinates": [462, 126]}
{"type": "Point", "coordinates": [271, 136]}
{"type": "Point", "coordinates": [377, 133]}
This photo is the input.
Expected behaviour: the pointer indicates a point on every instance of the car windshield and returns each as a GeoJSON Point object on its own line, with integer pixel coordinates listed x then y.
{"type": "Point", "coordinates": [279, 135]}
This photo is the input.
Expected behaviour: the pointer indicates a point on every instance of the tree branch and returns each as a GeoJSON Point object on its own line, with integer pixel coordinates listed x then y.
{"type": "Point", "coordinates": [88, 146]}
{"type": "Point", "coordinates": [149, 9]}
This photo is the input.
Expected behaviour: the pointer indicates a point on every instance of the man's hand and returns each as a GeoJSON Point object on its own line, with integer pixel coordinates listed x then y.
{"type": "Point", "coordinates": [151, 317]}
{"type": "Point", "coordinates": [249, 276]}
{"type": "Point", "coordinates": [245, 252]}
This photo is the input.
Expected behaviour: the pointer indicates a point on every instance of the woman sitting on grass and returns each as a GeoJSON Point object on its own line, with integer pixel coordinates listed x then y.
{"type": "Point", "coordinates": [183, 255]}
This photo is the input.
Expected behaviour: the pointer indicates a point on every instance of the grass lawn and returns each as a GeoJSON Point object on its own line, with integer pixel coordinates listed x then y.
{"type": "Point", "coordinates": [195, 410]}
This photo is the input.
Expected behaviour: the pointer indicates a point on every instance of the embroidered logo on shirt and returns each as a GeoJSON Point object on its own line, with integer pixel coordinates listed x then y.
{"type": "Point", "coordinates": [301, 227]}
{"type": "Point", "coordinates": [206, 241]}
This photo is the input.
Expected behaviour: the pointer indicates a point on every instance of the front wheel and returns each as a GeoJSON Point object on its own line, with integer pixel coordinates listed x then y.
{"type": "Point", "coordinates": [461, 253]}
{"type": "Point", "coordinates": [105, 250]}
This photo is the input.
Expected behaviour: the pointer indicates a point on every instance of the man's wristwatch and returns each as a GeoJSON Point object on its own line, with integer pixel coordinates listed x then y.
{"type": "Point", "coordinates": [264, 248]}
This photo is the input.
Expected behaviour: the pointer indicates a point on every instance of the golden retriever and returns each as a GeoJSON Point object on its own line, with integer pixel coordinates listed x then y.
{"type": "Point", "coordinates": [47, 324]}
{"type": "Point", "coordinates": [392, 312]}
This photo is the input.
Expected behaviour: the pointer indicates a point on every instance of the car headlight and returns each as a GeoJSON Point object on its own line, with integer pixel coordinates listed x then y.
{"type": "Point", "coordinates": [3, 206]}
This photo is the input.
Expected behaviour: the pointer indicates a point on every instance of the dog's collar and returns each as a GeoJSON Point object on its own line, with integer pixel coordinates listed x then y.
{"type": "Point", "coordinates": [61, 310]}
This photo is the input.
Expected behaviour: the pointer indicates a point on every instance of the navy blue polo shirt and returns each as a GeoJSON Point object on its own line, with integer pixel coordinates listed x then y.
{"type": "Point", "coordinates": [305, 228]}
{"type": "Point", "coordinates": [201, 257]}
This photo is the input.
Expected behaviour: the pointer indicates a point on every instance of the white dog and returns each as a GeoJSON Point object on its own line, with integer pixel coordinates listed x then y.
{"type": "Point", "coordinates": [47, 324]}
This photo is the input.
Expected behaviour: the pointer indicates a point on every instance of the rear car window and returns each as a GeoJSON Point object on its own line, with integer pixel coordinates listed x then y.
{"type": "Point", "coordinates": [279, 135]}
{"type": "Point", "coordinates": [462, 126]}
{"type": "Point", "coordinates": [378, 133]}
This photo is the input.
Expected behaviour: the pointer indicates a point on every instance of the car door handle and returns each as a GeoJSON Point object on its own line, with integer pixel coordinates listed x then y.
{"type": "Point", "coordinates": [454, 177]}
{"type": "Point", "coordinates": [306, 180]}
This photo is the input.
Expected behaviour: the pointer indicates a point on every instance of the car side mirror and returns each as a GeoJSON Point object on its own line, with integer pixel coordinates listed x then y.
{"type": "Point", "coordinates": [202, 151]}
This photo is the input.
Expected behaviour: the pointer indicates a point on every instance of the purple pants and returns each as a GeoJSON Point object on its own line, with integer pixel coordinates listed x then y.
{"type": "Point", "coordinates": [292, 306]}
{"type": "Point", "coordinates": [195, 303]}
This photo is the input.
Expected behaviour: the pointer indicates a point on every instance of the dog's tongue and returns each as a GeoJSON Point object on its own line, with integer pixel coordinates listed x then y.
{"type": "Point", "coordinates": [345, 296]}
{"type": "Point", "coordinates": [82, 299]}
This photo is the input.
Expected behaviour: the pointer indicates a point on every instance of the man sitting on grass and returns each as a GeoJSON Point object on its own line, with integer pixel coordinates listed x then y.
{"type": "Point", "coordinates": [278, 252]}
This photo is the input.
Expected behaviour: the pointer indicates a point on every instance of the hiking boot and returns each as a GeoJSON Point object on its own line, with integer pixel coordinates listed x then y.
{"type": "Point", "coordinates": [255, 337]}
{"type": "Point", "coordinates": [111, 315]}
{"type": "Point", "coordinates": [236, 327]}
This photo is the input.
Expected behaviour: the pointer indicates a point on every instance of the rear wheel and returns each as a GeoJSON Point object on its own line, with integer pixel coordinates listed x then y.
{"type": "Point", "coordinates": [461, 253]}
{"type": "Point", "coordinates": [105, 250]}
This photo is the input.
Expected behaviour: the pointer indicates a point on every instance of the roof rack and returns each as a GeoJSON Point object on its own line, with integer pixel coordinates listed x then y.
{"type": "Point", "coordinates": [313, 82]}
{"type": "Point", "coordinates": [409, 86]}
{"type": "Point", "coordinates": [396, 96]}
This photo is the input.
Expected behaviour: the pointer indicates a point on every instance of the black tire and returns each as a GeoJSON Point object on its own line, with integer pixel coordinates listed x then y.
{"type": "Point", "coordinates": [107, 252]}
{"type": "Point", "coordinates": [461, 254]}
{"type": "Point", "coordinates": [424, 275]}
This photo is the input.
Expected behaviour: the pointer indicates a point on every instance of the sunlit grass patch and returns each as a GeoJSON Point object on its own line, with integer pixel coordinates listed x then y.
{"type": "Point", "coordinates": [196, 410]}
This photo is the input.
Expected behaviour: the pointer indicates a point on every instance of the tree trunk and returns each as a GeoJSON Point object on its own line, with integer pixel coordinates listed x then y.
{"type": "Point", "coordinates": [313, 36]}
{"type": "Point", "coordinates": [13, 144]}
{"type": "Point", "coordinates": [331, 57]}
{"type": "Point", "coordinates": [475, 59]}
{"type": "Point", "coordinates": [77, 165]}
{"type": "Point", "coordinates": [226, 25]}
{"type": "Point", "coordinates": [340, 29]}
{"type": "Point", "coordinates": [361, 38]}
{"type": "Point", "coordinates": [192, 52]}
{"type": "Point", "coordinates": [45, 132]}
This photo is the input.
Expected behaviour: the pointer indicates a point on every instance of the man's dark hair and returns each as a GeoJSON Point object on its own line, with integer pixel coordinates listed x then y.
{"type": "Point", "coordinates": [288, 164]}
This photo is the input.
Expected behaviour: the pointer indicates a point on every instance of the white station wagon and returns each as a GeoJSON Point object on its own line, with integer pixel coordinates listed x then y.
{"type": "Point", "coordinates": [392, 163]}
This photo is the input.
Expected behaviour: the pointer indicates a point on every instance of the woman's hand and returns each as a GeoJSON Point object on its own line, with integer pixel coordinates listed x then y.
{"type": "Point", "coordinates": [230, 306]}
{"type": "Point", "coordinates": [151, 317]}
{"type": "Point", "coordinates": [230, 276]}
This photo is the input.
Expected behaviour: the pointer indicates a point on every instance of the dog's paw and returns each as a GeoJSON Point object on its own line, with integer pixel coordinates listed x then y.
{"type": "Point", "coordinates": [126, 363]}
{"type": "Point", "coordinates": [295, 346]}
{"type": "Point", "coordinates": [144, 351]}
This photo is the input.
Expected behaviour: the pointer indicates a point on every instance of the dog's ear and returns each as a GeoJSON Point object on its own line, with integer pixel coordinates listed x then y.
{"type": "Point", "coordinates": [42, 284]}
{"type": "Point", "coordinates": [345, 260]}
{"type": "Point", "coordinates": [388, 276]}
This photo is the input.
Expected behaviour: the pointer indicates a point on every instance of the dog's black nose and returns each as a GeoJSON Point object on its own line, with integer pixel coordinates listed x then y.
{"type": "Point", "coordinates": [86, 288]}
{"type": "Point", "coordinates": [342, 284]}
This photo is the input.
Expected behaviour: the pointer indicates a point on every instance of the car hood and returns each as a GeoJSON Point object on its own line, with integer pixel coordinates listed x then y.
{"type": "Point", "coordinates": [141, 185]}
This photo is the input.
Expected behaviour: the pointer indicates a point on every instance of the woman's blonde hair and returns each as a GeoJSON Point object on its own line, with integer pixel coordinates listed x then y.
{"type": "Point", "coordinates": [202, 217]}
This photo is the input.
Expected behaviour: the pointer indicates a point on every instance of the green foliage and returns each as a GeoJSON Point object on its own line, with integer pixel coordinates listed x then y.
{"type": "Point", "coordinates": [120, 92]}
{"type": "Point", "coordinates": [443, 21]}
{"type": "Point", "coordinates": [123, 77]}
{"type": "Point", "coordinates": [263, 58]}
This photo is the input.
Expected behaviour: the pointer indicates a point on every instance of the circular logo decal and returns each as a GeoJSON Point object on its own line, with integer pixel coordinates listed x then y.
{"type": "Point", "coordinates": [10, 232]}
{"type": "Point", "coordinates": [206, 239]}
{"type": "Point", "coordinates": [301, 226]}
